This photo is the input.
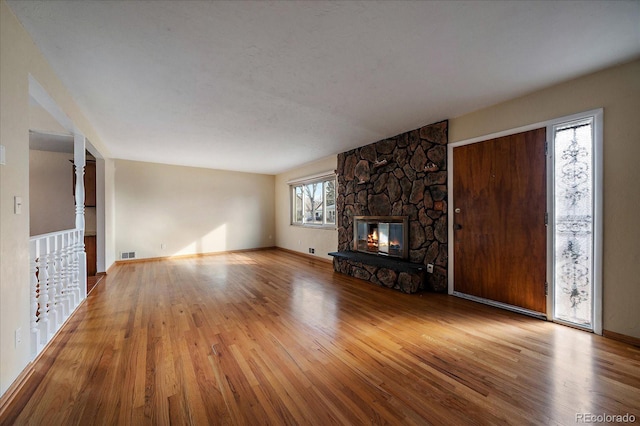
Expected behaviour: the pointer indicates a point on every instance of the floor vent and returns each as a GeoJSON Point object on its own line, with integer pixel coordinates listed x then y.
{"type": "Point", "coordinates": [128, 255]}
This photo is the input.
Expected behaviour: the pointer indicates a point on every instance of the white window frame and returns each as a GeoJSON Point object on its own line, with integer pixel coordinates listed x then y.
{"type": "Point", "coordinates": [318, 178]}
{"type": "Point", "coordinates": [597, 158]}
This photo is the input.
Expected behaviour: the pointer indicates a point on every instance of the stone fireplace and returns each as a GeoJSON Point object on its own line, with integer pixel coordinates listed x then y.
{"type": "Point", "coordinates": [403, 177]}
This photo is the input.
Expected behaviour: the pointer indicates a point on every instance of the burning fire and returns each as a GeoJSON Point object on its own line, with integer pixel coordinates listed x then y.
{"type": "Point", "coordinates": [372, 238]}
{"type": "Point", "coordinates": [373, 241]}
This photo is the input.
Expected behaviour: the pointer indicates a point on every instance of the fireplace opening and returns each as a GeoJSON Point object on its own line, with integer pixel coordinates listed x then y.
{"type": "Point", "coordinates": [383, 235]}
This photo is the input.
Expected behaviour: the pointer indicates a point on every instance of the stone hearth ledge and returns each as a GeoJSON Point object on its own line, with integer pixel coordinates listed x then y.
{"type": "Point", "coordinates": [388, 272]}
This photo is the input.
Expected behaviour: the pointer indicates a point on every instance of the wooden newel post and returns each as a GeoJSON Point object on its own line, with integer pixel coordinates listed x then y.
{"type": "Point", "coordinates": [79, 163]}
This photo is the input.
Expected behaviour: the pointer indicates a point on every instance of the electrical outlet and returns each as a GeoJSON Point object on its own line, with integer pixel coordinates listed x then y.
{"type": "Point", "coordinates": [163, 246]}
{"type": "Point", "coordinates": [430, 268]}
{"type": "Point", "coordinates": [18, 336]}
{"type": "Point", "coordinates": [312, 250]}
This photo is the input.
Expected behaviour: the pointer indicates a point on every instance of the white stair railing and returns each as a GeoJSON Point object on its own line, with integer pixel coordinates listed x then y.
{"type": "Point", "coordinates": [58, 282]}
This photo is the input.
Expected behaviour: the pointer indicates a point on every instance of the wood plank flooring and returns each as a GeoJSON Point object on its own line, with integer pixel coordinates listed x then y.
{"type": "Point", "coordinates": [92, 281]}
{"type": "Point", "coordinates": [268, 337]}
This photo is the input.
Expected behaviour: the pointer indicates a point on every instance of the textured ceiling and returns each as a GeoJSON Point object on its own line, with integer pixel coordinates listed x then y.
{"type": "Point", "coordinates": [263, 86]}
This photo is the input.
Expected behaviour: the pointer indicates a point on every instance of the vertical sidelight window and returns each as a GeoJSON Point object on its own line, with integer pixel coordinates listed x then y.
{"type": "Point", "coordinates": [576, 145]}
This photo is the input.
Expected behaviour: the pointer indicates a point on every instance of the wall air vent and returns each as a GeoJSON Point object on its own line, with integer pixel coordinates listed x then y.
{"type": "Point", "coordinates": [128, 255]}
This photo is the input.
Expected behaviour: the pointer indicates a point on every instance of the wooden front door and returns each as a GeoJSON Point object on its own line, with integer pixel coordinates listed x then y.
{"type": "Point", "coordinates": [499, 190]}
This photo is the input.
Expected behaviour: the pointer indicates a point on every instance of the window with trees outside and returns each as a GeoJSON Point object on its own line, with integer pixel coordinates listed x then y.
{"type": "Point", "coordinates": [314, 202]}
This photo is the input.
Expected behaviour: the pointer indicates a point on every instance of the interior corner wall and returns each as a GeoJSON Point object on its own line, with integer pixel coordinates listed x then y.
{"type": "Point", "coordinates": [300, 238]}
{"type": "Point", "coordinates": [100, 216]}
{"type": "Point", "coordinates": [164, 210]}
{"type": "Point", "coordinates": [109, 214]}
{"type": "Point", "coordinates": [20, 59]}
{"type": "Point", "coordinates": [617, 91]}
{"type": "Point", "coordinates": [51, 202]}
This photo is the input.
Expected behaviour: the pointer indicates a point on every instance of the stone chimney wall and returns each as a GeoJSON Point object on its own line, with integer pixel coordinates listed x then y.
{"type": "Point", "coordinates": [405, 175]}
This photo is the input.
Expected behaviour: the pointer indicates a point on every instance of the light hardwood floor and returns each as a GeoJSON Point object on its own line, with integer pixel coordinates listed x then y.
{"type": "Point", "coordinates": [268, 337]}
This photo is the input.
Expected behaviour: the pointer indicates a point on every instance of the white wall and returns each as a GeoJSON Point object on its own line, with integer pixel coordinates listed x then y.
{"type": "Point", "coordinates": [40, 120]}
{"type": "Point", "coordinates": [52, 206]}
{"type": "Point", "coordinates": [14, 181]}
{"type": "Point", "coordinates": [190, 210]}
{"type": "Point", "coordinates": [617, 90]}
{"type": "Point", "coordinates": [21, 58]}
{"type": "Point", "coordinates": [300, 238]}
{"type": "Point", "coordinates": [109, 213]}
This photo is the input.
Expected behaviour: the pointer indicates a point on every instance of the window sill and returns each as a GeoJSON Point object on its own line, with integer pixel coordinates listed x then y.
{"type": "Point", "coordinates": [307, 226]}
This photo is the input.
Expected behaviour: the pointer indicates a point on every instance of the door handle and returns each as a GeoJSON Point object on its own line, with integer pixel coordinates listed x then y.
{"type": "Point", "coordinates": [457, 226]}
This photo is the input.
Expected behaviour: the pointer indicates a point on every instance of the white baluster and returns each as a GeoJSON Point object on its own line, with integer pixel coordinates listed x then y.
{"type": "Point", "coordinates": [56, 290]}
{"type": "Point", "coordinates": [34, 253]}
{"type": "Point", "coordinates": [54, 318]}
{"type": "Point", "coordinates": [44, 291]}
{"type": "Point", "coordinates": [80, 284]}
{"type": "Point", "coordinates": [62, 300]}
{"type": "Point", "coordinates": [71, 248]}
{"type": "Point", "coordinates": [77, 249]}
